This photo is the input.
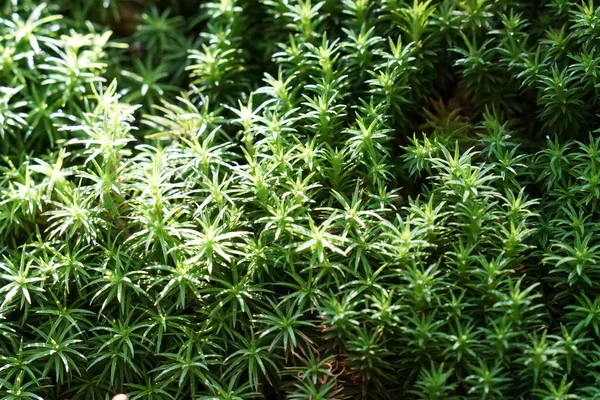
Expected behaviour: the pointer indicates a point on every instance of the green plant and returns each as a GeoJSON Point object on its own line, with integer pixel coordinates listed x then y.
{"type": "Point", "coordinates": [239, 199]}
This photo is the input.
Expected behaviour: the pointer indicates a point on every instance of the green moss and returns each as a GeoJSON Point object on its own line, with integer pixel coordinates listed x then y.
{"type": "Point", "coordinates": [298, 199]}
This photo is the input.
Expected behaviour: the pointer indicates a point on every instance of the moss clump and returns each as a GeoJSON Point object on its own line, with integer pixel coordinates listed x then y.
{"type": "Point", "coordinates": [296, 199]}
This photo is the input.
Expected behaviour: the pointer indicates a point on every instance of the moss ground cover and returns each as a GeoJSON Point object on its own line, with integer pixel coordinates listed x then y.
{"type": "Point", "coordinates": [294, 199]}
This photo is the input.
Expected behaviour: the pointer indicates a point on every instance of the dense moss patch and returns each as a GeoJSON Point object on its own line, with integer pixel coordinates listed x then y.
{"type": "Point", "coordinates": [296, 199]}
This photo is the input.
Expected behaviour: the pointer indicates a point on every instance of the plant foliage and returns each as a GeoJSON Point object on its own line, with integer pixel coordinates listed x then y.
{"type": "Point", "coordinates": [299, 199]}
